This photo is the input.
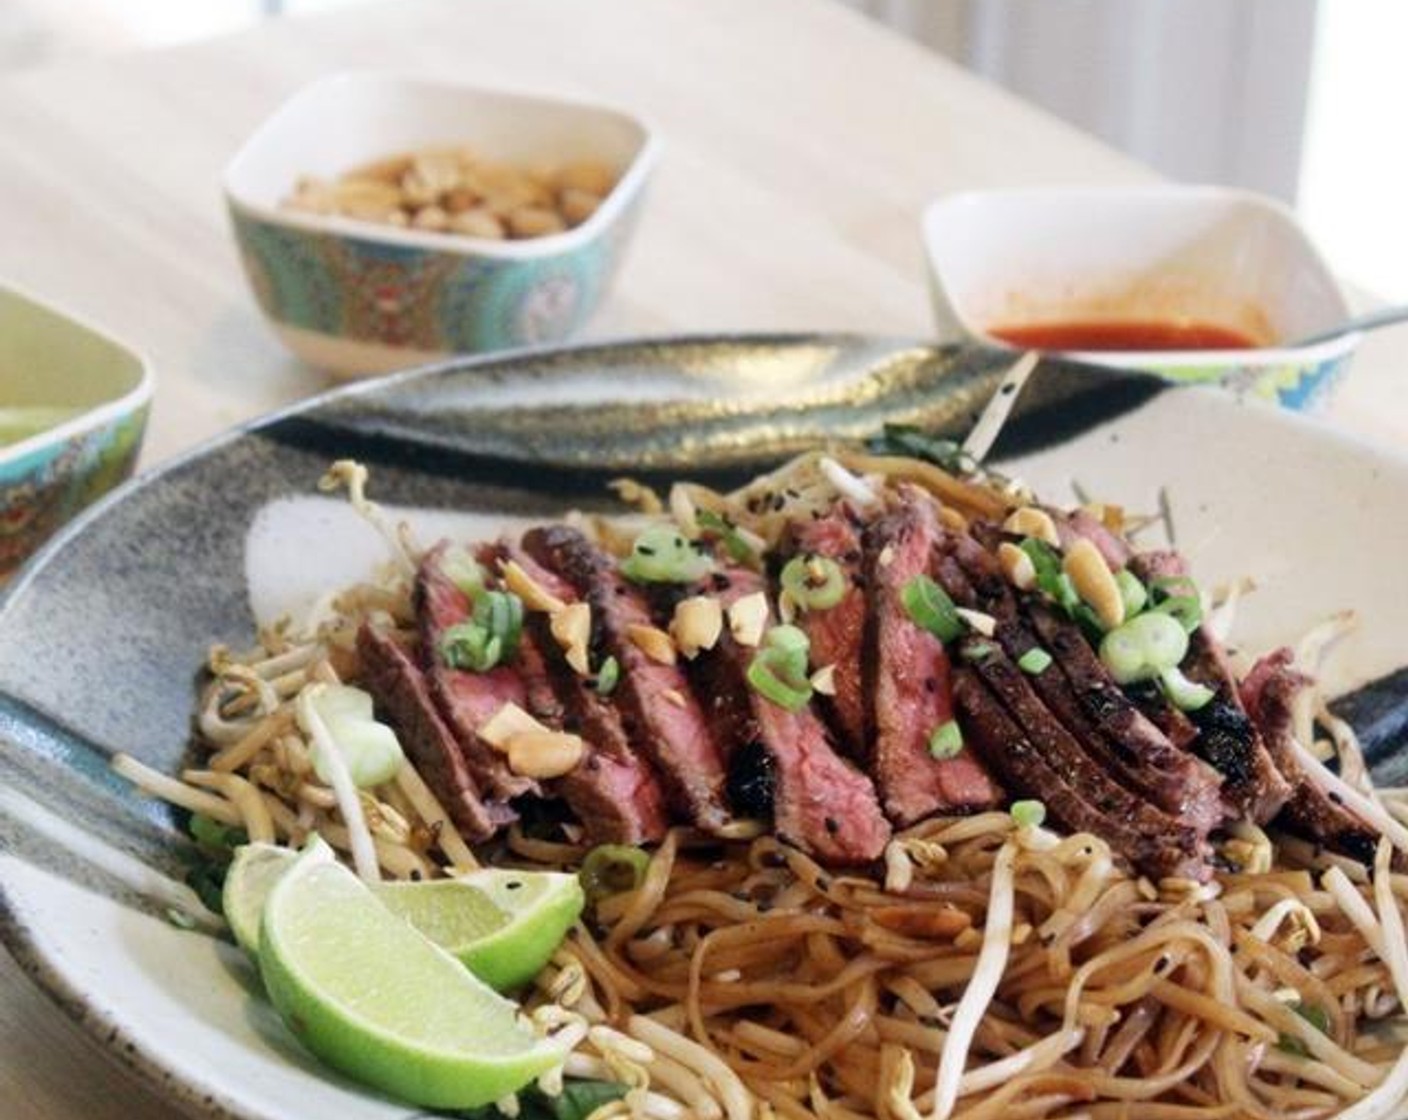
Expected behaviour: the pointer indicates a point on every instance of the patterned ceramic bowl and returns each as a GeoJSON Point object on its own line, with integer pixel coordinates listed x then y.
{"type": "Point", "coordinates": [1224, 258]}
{"type": "Point", "coordinates": [357, 298]}
{"type": "Point", "coordinates": [73, 406]}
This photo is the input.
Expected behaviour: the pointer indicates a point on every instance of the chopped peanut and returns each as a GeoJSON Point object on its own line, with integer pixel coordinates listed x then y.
{"type": "Point", "coordinates": [653, 642]}
{"type": "Point", "coordinates": [697, 624]}
{"type": "Point", "coordinates": [544, 754]}
{"type": "Point", "coordinates": [572, 627]}
{"type": "Point", "coordinates": [748, 618]}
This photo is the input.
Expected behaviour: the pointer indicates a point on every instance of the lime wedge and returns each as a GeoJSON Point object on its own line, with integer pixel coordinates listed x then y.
{"type": "Point", "coordinates": [503, 925]}
{"type": "Point", "coordinates": [375, 999]}
{"type": "Point", "coordinates": [252, 874]}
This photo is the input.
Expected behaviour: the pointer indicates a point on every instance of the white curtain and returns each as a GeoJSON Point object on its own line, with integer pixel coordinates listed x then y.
{"type": "Point", "coordinates": [1204, 90]}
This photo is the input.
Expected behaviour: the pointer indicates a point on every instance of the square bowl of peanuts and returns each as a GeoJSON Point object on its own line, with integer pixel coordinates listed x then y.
{"type": "Point", "coordinates": [385, 222]}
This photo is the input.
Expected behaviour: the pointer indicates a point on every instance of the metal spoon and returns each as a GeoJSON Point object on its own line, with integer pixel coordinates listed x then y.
{"type": "Point", "coordinates": [1370, 321]}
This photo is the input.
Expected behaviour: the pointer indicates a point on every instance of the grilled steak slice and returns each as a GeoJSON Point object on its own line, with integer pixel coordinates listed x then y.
{"type": "Point", "coordinates": [1227, 738]}
{"type": "Point", "coordinates": [1270, 692]}
{"type": "Point", "coordinates": [907, 678]}
{"type": "Point", "coordinates": [466, 700]}
{"type": "Point", "coordinates": [660, 713]}
{"type": "Point", "coordinates": [820, 802]}
{"type": "Point", "coordinates": [837, 634]}
{"type": "Point", "coordinates": [1082, 695]}
{"type": "Point", "coordinates": [401, 692]}
{"type": "Point", "coordinates": [613, 791]}
{"type": "Point", "coordinates": [1035, 756]}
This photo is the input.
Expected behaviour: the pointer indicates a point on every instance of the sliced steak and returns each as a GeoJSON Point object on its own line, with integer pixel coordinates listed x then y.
{"type": "Point", "coordinates": [907, 677]}
{"type": "Point", "coordinates": [819, 802]}
{"type": "Point", "coordinates": [1227, 738]}
{"type": "Point", "coordinates": [837, 634]}
{"type": "Point", "coordinates": [1269, 693]}
{"type": "Point", "coordinates": [401, 692]}
{"type": "Point", "coordinates": [613, 791]}
{"type": "Point", "coordinates": [660, 713]}
{"type": "Point", "coordinates": [1079, 691]}
{"type": "Point", "coordinates": [466, 700]}
{"type": "Point", "coordinates": [1035, 756]}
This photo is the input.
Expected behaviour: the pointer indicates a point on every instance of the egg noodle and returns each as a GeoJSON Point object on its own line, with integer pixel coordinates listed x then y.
{"type": "Point", "coordinates": [986, 969]}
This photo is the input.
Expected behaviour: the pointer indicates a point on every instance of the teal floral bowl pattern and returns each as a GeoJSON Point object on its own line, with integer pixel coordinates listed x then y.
{"type": "Point", "coordinates": [422, 300]}
{"type": "Point", "coordinates": [50, 360]}
{"type": "Point", "coordinates": [44, 488]}
{"type": "Point", "coordinates": [1304, 385]}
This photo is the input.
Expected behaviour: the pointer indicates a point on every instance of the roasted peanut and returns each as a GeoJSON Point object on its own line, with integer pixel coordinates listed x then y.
{"type": "Point", "coordinates": [544, 754]}
{"type": "Point", "coordinates": [452, 190]}
{"type": "Point", "coordinates": [534, 221]}
{"type": "Point", "coordinates": [697, 623]}
{"type": "Point", "coordinates": [572, 627]}
{"type": "Point", "coordinates": [653, 642]}
{"type": "Point", "coordinates": [478, 222]}
{"type": "Point", "coordinates": [508, 721]}
{"type": "Point", "coordinates": [1032, 522]}
{"type": "Point", "coordinates": [535, 596]}
{"type": "Point", "coordinates": [1017, 566]}
{"type": "Point", "coordinates": [1094, 582]}
{"type": "Point", "coordinates": [577, 205]}
{"type": "Point", "coordinates": [748, 618]}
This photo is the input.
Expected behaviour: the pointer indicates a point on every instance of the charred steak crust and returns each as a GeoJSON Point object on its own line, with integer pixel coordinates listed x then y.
{"type": "Point", "coordinates": [907, 677]}
{"type": "Point", "coordinates": [402, 694]}
{"type": "Point", "coordinates": [1080, 693]}
{"type": "Point", "coordinates": [466, 700]}
{"type": "Point", "coordinates": [1269, 693]}
{"type": "Point", "coordinates": [818, 800]}
{"type": "Point", "coordinates": [1063, 753]}
{"type": "Point", "coordinates": [1227, 738]}
{"type": "Point", "coordinates": [613, 792]}
{"type": "Point", "coordinates": [659, 712]}
{"type": "Point", "coordinates": [837, 634]}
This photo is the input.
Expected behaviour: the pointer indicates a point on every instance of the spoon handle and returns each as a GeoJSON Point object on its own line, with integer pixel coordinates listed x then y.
{"type": "Point", "coordinates": [1372, 320]}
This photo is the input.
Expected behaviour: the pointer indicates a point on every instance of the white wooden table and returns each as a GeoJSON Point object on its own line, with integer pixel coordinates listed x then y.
{"type": "Point", "coordinates": [801, 144]}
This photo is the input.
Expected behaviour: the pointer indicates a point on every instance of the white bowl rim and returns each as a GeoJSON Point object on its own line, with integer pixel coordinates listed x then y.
{"type": "Point", "coordinates": [1154, 192]}
{"type": "Point", "coordinates": [90, 418]}
{"type": "Point", "coordinates": [627, 186]}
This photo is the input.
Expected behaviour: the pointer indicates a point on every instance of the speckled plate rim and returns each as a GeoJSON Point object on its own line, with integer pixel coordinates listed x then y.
{"type": "Point", "coordinates": [205, 1097]}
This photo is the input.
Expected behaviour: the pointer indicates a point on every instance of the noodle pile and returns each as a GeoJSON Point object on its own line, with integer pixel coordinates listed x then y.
{"type": "Point", "coordinates": [988, 969]}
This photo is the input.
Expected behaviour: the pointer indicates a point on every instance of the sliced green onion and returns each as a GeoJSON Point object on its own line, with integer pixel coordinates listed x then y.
{"type": "Point", "coordinates": [369, 750]}
{"type": "Point", "coordinates": [905, 439]}
{"type": "Point", "coordinates": [1313, 1014]}
{"type": "Point", "coordinates": [1028, 814]}
{"type": "Point", "coordinates": [1144, 647]}
{"type": "Point", "coordinates": [1182, 693]}
{"type": "Point", "coordinates": [978, 651]}
{"type": "Point", "coordinates": [815, 583]}
{"type": "Point", "coordinates": [501, 614]}
{"type": "Point", "coordinates": [1134, 593]}
{"type": "Point", "coordinates": [608, 676]}
{"type": "Point", "coordinates": [778, 670]}
{"type": "Point", "coordinates": [946, 740]}
{"type": "Point", "coordinates": [662, 555]}
{"type": "Point", "coordinates": [613, 869]}
{"type": "Point", "coordinates": [764, 678]}
{"type": "Point", "coordinates": [471, 647]}
{"type": "Point", "coordinates": [217, 837]}
{"type": "Point", "coordinates": [929, 606]}
{"type": "Point", "coordinates": [1035, 660]}
{"type": "Point", "coordinates": [1178, 596]}
{"type": "Point", "coordinates": [739, 550]}
{"type": "Point", "coordinates": [463, 570]}
{"type": "Point", "coordinates": [1051, 578]}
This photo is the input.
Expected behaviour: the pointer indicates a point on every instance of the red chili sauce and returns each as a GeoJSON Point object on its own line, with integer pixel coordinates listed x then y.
{"type": "Point", "coordinates": [1123, 334]}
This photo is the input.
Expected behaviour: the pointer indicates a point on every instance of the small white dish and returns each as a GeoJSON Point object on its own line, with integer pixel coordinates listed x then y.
{"type": "Point", "coordinates": [355, 297]}
{"type": "Point", "coordinates": [1211, 255]}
